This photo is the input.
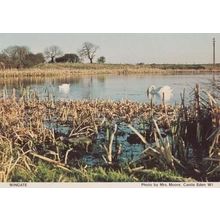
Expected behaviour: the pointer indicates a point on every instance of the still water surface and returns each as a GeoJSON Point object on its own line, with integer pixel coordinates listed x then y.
{"type": "Point", "coordinates": [115, 87]}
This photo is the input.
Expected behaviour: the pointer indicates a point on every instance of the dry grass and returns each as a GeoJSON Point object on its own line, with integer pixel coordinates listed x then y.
{"type": "Point", "coordinates": [67, 70]}
{"type": "Point", "coordinates": [28, 128]}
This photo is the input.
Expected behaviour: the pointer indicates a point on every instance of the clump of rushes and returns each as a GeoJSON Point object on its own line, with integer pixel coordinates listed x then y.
{"type": "Point", "coordinates": [192, 146]}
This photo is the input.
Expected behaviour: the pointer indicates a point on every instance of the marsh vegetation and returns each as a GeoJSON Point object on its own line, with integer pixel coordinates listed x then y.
{"type": "Point", "coordinates": [73, 69]}
{"type": "Point", "coordinates": [104, 140]}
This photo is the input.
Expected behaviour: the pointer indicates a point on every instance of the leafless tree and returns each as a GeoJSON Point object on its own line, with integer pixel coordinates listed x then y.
{"type": "Point", "coordinates": [52, 52]}
{"type": "Point", "coordinates": [88, 51]}
{"type": "Point", "coordinates": [16, 55]}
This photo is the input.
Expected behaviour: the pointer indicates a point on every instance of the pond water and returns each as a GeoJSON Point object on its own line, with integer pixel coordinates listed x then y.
{"type": "Point", "coordinates": [115, 87]}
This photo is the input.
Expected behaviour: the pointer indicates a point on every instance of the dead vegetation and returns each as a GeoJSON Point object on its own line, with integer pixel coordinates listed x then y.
{"type": "Point", "coordinates": [79, 69]}
{"type": "Point", "coordinates": [183, 139]}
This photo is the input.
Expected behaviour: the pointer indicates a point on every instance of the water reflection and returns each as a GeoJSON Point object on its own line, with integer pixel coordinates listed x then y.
{"type": "Point", "coordinates": [116, 87]}
{"type": "Point", "coordinates": [87, 88]}
{"type": "Point", "coordinates": [101, 79]}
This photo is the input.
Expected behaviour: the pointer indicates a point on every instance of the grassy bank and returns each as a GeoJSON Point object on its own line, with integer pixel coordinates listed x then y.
{"type": "Point", "coordinates": [69, 69]}
{"type": "Point", "coordinates": [45, 172]}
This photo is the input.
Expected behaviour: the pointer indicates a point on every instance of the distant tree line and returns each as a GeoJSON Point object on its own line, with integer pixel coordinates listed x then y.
{"type": "Point", "coordinates": [22, 57]}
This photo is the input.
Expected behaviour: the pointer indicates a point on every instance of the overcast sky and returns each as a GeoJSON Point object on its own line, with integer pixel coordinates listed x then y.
{"type": "Point", "coordinates": [126, 48]}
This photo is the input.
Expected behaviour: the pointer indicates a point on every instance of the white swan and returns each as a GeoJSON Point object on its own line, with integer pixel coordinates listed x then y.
{"type": "Point", "coordinates": [64, 88]}
{"type": "Point", "coordinates": [166, 90]}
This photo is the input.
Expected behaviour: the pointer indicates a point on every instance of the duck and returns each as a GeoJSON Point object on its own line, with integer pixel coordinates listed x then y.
{"type": "Point", "coordinates": [64, 88]}
{"type": "Point", "coordinates": [166, 90]}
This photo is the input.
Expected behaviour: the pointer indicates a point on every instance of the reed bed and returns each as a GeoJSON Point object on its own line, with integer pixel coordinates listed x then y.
{"type": "Point", "coordinates": [45, 140]}
{"type": "Point", "coordinates": [57, 70]}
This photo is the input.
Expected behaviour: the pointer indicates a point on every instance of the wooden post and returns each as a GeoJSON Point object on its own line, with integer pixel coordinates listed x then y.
{"type": "Point", "coordinates": [213, 52]}
{"type": "Point", "coordinates": [213, 57]}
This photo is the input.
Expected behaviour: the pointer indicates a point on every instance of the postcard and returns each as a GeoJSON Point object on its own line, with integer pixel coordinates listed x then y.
{"type": "Point", "coordinates": [99, 109]}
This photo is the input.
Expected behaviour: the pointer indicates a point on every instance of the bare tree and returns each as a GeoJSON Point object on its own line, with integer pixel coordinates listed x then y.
{"type": "Point", "coordinates": [52, 52]}
{"type": "Point", "coordinates": [16, 55]}
{"type": "Point", "coordinates": [88, 51]}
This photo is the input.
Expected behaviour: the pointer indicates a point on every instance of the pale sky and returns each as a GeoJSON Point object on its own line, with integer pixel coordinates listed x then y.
{"type": "Point", "coordinates": [126, 48]}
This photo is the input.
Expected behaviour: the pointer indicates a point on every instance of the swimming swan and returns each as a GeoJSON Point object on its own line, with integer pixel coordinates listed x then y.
{"type": "Point", "coordinates": [64, 88]}
{"type": "Point", "coordinates": [166, 90]}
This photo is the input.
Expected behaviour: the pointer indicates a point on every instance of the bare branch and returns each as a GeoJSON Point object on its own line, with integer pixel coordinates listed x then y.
{"type": "Point", "coordinates": [52, 52]}
{"type": "Point", "coordinates": [88, 51]}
